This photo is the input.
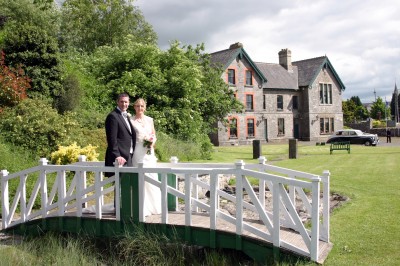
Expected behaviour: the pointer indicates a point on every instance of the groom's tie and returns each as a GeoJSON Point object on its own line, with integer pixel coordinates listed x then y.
{"type": "Point", "coordinates": [126, 118]}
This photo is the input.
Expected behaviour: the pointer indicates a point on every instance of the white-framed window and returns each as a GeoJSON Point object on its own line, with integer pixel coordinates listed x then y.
{"type": "Point", "coordinates": [279, 102]}
{"type": "Point", "coordinates": [325, 93]}
{"type": "Point", "coordinates": [281, 126]}
{"type": "Point", "coordinates": [326, 125]}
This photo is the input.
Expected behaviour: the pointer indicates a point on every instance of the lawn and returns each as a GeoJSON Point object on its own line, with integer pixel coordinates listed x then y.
{"type": "Point", "coordinates": [366, 230]}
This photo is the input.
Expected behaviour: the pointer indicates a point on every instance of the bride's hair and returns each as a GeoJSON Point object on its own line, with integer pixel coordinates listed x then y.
{"type": "Point", "coordinates": [140, 100]}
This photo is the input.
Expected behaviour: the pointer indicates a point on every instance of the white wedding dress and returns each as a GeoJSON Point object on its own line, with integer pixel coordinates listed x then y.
{"type": "Point", "coordinates": [152, 194]}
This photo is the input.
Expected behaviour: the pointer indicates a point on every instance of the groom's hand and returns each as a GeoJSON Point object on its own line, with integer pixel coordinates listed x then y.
{"type": "Point", "coordinates": [121, 160]}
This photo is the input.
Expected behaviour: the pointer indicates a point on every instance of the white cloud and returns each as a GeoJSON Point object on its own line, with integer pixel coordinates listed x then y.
{"type": "Point", "coordinates": [360, 37]}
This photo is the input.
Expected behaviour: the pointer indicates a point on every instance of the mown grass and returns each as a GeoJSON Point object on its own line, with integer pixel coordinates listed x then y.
{"type": "Point", "coordinates": [365, 231]}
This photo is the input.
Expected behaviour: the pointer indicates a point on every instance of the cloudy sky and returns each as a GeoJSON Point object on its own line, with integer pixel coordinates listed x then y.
{"type": "Point", "coordinates": [360, 37]}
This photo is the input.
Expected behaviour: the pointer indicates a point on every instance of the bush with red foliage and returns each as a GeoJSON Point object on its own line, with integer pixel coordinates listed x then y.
{"type": "Point", "coordinates": [13, 84]}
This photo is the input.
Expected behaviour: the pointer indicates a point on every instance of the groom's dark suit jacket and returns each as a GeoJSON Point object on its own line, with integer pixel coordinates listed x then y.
{"type": "Point", "coordinates": [119, 138]}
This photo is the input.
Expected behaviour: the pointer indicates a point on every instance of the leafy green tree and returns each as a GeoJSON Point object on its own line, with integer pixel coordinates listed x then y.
{"type": "Point", "coordinates": [88, 24]}
{"type": "Point", "coordinates": [379, 109]}
{"type": "Point", "coordinates": [348, 108]}
{"type": "Point", "coordinates": [354, 110]}
{"type": "Point", "coordinates": [360, 111]}
{"type": "Point", "coordinates": [29, 38]}
{"type": "Point", "coordinates": [184, 94]}
{"type": "Point", "coordinates": [40, 13]}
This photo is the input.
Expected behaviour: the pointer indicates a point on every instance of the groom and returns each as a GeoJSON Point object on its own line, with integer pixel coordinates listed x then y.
{"type": "Point", "coordinates": [121, 137]}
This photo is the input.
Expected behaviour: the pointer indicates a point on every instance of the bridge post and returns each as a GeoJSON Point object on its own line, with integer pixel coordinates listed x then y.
{"type": "Point", "coordinates": [5, 205]}
{"type": "Point", "coordinates": [172, 182]}
{"type": "Point", "coordinates": [326, 206]}
{"type": "Point", "coordinates": [81, 187]}
{"type": "Point", "coordinates": [315, 224]}
{"type": "Point", "coordinates": [239, 204]}
{"type": "Point", "coordinates": [261, 191]}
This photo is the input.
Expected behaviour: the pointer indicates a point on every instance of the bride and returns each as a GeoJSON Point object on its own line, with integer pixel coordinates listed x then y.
{"type": "Point", "coordinates": [144, 152]}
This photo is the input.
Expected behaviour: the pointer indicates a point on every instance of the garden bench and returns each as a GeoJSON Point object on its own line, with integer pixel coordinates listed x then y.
{"type": "Point", "coordinates": [340, 146]}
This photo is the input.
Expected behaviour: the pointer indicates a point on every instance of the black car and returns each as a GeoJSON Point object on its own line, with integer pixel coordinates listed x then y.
{"type": "Point", "coordinates": [355, 136]}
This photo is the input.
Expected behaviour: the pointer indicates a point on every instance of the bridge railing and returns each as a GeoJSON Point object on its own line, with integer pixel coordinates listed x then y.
{"type": "Point", "coordinates": [60, 189]}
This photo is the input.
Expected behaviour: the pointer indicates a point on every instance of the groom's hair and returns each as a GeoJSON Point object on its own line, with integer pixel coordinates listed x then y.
{"type": "Point", "coordinates": [124, 94]}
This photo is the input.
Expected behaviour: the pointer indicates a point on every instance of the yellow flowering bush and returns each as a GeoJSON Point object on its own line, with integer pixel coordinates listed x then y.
{"type": "Point", "coordinates": [69, 154]}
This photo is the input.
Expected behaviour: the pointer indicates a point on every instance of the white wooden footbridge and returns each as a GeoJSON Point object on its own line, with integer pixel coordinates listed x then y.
{"type": "Point", "coordinates": [61, 193]}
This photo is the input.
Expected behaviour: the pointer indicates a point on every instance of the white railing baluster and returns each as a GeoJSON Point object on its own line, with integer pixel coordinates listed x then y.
{"type": "Point", "coordinates": [43, 187]}
{"type": "Point", "coordinates": [141, 192]}
{"type": "Point", "coordinates": [315, 219]}
{"type": "Point", "coordinates": [326, 206]}
{"type": "Point", "coordinates": [213, 200]}
{"type": "Point", "coordinates": [164, 198]}
{"type": "Point", "coordinates": [276, 238]}
{"type": "Point", "coordinates": [239, 196]}
{"type": "Point", "coordinates": [23, 197]}
{"type": "Point", "coordinates": [61, 192]}
{"type": "Point", "coordinates": [188, 202]}
{"type": "Point", "coordinates": [98, 196]}
{"type": "Point", "coordinates": [5, 203]}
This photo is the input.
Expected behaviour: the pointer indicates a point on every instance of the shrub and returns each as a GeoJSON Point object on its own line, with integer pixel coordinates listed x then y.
{"type": "Point", "coordinates": [166, 146]}
{"type": "Point", "coordinates": [35, 125]}
{"type": "Point", "coordinates": [13, 84]}
{"type": "Point", "coordinates": [69, 154]}
{"type": "Point", "coordinates": [70, 98]}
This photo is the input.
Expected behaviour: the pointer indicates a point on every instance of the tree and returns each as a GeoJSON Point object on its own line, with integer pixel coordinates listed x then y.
{"type": "Point", "coordinates": [379, 109]}
{"type": "Point", "coordinates": [184, 94]}
{"type": "Point", "coordinates": [354, 110]}
{"type": "Point", "coordinates": [29, 38]}
{"type": "Point", "coordinates": [88, 24]}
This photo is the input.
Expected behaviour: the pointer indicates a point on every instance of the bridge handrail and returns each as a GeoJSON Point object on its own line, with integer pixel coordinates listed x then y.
{"type": "Point", "coordinates": [283, 211]}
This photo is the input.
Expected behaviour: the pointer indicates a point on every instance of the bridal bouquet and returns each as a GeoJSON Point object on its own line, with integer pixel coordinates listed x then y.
{"type": "Point", "coordinates": [147, 142]}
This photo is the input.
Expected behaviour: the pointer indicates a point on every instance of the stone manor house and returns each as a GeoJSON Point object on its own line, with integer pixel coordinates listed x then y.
{"type": "Point", "coordinates": [301, 99]}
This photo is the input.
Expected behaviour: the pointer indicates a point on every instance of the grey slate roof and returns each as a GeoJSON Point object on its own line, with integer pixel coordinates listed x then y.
{"type": "Point", "coordinates": [278, 77]}
{"type": "Point", "coordinates": [224, 57]}
{"type": "Point", "coordinates": [309, 69]}
{"type": "Point", "coordinates": [274, 75]}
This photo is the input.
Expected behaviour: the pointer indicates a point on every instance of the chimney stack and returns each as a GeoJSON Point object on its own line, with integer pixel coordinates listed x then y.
{"type": "Point", "coordinates": [285, 59]}
{"type": "Point", "coordinates": [236, 45]}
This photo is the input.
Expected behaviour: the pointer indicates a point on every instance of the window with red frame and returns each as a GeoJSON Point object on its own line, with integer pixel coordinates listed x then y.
{"type": "Point", "coordinates": [249, 77]}
{"type": "Point", "coordinates": [231, 76]}
{"type": "Point", "coordinates": [250, 127]}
